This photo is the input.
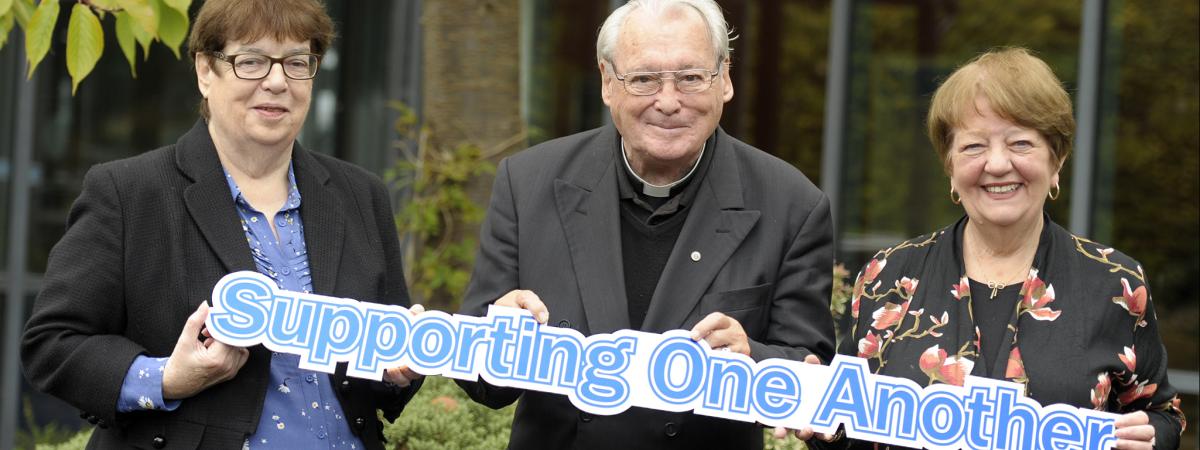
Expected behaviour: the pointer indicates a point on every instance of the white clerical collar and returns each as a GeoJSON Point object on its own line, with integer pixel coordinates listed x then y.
{"type": "Point", "coordinates": [661, 191]}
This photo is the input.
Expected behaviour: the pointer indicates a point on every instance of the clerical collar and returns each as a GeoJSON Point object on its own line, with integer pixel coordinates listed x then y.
{"type": "Point", "coordinates": [660, 191]}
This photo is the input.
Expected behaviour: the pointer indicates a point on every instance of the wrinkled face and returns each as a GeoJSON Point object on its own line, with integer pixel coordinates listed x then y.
{"type": "Point", "coordinates": [267, 112]}
{"type": "Point", "coordinates": [668, 128]}
{"type": "Point", "coordinates": [1002, 171]}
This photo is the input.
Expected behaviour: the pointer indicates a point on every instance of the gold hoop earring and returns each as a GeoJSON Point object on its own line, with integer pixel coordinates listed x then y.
{"type": "Point", "coordinates": [1054, 192]}
{"type": "Point", "coordinates": [953, 198]}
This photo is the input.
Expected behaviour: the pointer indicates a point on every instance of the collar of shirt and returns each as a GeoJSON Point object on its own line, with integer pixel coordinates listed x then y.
{"type": "Point", "coordinates": [659, 208]}
{"type": "Point", "coordinates": [293, 201]}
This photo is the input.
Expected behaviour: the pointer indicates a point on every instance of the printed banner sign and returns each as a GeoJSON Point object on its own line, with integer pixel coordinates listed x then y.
{"type": "Point", "coordinates": [608, 373]}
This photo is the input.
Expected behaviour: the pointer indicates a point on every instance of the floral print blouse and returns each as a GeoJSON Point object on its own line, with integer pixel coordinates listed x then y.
{"type": "Point", "coordinates": [1084, 332]}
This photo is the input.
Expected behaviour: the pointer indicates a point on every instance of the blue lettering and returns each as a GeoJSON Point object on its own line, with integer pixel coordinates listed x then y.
{"type": "Point", "coordinates": [896, 410]}
{"type": "Point", "coordinates": [776, 392]}
{"type": "Point", "coordinates": [338, 330]}
{"type": "Point", "coordinates": [523, 363]}
{"type": "Point", "coordinates": [1100, 433]}
{"type": "Point", "coordinates": [674, 354]}
{"type": "Point", "coordinates": [432, 342]}
{"type": "Point", "coordinates": [979, 409]}
{"type": "Point", "coordinates": [471, 336]}
{"type": "Point", "coordinates": [942, 418]}
{"type": "Point", "coordinates": [558, 359]}
{"type": "Point", "coordinates": [244, 316]}
{"type": "Point", "coordinates": [385, 340]}
{"type": "Point", "coordinates": [728, 385]}
{"type": "Point", "coordinates": [846, 397]}
{"type": "Point", "coordinates": [291, 321]}
{"type": "Point", "coordinates": [499, 364]}
{"type": "Point", "coordinates": [602, 385]}
{"type": "Point", "coordinates": [1014, 420]}
{"type": "Point", "coordinates": [1061, 431]}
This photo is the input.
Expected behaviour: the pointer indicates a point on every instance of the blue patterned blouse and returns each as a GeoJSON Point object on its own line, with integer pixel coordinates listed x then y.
{"type": "Point", "coordinates": [300, 409]}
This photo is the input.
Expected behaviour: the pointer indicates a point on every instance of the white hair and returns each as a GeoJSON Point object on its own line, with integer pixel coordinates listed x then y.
{"type": "Point", "coordinates": [714, 20]}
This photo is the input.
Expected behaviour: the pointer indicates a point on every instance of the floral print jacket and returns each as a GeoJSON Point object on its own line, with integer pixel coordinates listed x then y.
{"type": "Point", "coordinates": [1084, 331]}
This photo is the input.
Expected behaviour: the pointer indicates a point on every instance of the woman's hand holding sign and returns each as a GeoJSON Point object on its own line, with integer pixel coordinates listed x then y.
{"type": "Point", "coordinates": [196, 365]}
{"type": "Point", "coordinates": [402, 375]}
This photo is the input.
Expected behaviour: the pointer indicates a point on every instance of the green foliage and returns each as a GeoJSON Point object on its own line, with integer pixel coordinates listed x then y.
{"type": "Point", "coordinates": [77, 442]}
{"type": "Point", "coordinates": [39, 32]}
{"type": "Point", "coordinates": [438, 207]}
{"type": "Point", "coordinates": [85, 43]}
{"type": "Point", "coordinates": [441, 416]}
{"type": "Point", "coordinates": [841, 294]}
{"type": "Point", "coordinates": [45, 436]}
{"type": "Point", "coordinates": [140, 21]}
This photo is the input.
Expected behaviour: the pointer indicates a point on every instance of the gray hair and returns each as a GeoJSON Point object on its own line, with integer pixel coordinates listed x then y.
{"type": "Point", "coordinates": [714, 19]}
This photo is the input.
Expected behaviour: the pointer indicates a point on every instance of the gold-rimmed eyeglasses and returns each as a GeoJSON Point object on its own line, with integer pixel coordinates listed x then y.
{"type": "Point", "coordinates": [253, 66]}
{"type": "Point", "coordinates": [687, 81]}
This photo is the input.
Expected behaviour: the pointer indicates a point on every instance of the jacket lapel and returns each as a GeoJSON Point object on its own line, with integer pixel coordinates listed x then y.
{"type": "Point", "coordinates": [587, 206]}
{"type": "Point", "coordinates": [324, 227]}
{"type": "Point", "coordinates": [713, 230]}
{"type": "Point", "coordinates": [208, 199]}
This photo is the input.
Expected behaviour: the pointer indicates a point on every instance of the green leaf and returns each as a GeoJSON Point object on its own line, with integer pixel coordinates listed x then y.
{"type": "Point", "coordinates": [144, 12]}
{"type": "Point", "coordinates": [141, 36]}
{"type": "Point", "coordinates": [180, 6]}
{"type": "Point", "coordinates": [39, 33]}
{"type": "Point", "coordinates": [23, 10]}
{"type": "Point", "coordinates": [5, 5]}
{"type": "Point", "coordinates": [106, 5]}
{"type": "Point", "coordinates": [85, 44]}
{"type": "Point", "coordinates": [126, 41]}
{"type": "Point", "coordinates": [6, 24]}
{"type": "Point", "coordinates": [172, 28]}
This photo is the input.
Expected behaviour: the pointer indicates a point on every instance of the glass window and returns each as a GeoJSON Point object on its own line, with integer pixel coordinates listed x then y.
{"type": "Point", "coordinates": [564, 81]}
{"type": "Point", "coordinates": [1147, 164]}
{"type": "Point", "coordinates": [893, 185]}
{"type": "Point", "coordinates": [779, 65]}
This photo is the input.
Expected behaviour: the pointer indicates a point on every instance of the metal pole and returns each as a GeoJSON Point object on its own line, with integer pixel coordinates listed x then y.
{"type": "Point", "coordinates": [836, 97]}
{"type": "Point", "coordinates": [18, 231]}
{"type": "Point", "coordinates": [1087, 115]}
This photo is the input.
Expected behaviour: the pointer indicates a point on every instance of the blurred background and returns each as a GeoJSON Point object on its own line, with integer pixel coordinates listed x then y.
{"type": "Point", "coordinates": [838, 88]}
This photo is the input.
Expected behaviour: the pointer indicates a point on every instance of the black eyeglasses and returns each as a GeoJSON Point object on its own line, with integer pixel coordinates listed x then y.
{"type": "Point", "coordinates": [253, 66]}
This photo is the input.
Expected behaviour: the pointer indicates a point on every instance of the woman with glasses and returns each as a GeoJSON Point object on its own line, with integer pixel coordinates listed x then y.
{"type": "Point", "coordinates": [118, 328]}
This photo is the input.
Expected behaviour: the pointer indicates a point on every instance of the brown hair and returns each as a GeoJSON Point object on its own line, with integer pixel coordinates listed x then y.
{"type": "Point", "coordinates": [221, 21]}
{"type": "Point", "coordinates": [1019, 87]}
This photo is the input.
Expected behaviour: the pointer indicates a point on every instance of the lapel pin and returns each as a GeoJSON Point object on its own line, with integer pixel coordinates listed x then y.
{"type": "Point", "coordinates": [695, 256]}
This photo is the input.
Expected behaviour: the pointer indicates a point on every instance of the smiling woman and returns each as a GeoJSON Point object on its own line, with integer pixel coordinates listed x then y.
{"type": "Point", "coordinates": [1005, 293]}
{"type": "Point", "coordinates": [114, 328]}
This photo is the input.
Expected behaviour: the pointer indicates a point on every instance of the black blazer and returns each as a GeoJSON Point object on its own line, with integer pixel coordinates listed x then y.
{"type": "Point", "coordinates": [1083, 333]}
{"type": "Point", "coordinates": [765, 247]}
{"type": "Point", "coordinates": [146, 241]}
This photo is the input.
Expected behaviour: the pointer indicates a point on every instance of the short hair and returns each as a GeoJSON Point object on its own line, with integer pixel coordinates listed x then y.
{"type": "Point", "coordinates": [1019, 87]}
{"type": "Point", "coordinates": [221, 21]}
{"type": "Point", "coordinates": [710, 12]}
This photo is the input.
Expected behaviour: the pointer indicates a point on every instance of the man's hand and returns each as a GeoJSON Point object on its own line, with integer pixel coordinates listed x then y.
{"type": "Point", "coordinates": [722, 333]}
{"type": "Point", "coordinates": [528, 301]}
{"type": "Point", "coordinates": [401, 375]}
{"type": "Point", "coordinates": [1134, 431]}
{"type": "Point", "coordinates": [196, 365]}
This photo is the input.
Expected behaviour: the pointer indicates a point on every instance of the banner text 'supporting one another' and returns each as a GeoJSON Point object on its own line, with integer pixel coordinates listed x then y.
{"type": "Point", "coordinates": [608, 373]}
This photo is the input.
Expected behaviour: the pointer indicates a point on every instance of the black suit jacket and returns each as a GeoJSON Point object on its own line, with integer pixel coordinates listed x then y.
{"type": "Point", "coordinates": [764, 241]}
{"type": "Point", "coordinates": [146, 241]}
